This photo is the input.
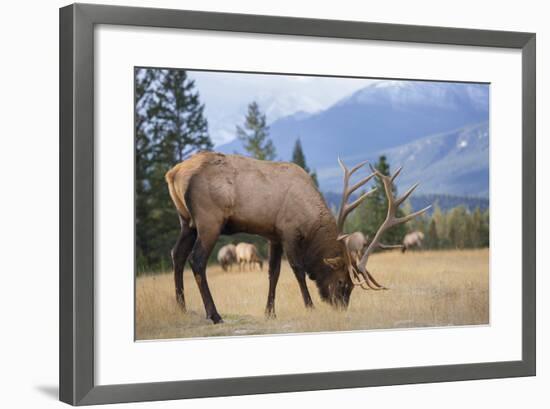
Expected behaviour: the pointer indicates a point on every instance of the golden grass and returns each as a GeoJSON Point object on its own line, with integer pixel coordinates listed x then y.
{"type": "Point", "coordinates": [430, 288]}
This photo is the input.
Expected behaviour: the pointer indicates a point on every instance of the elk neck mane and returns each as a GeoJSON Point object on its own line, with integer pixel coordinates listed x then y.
{"type": "Point", "coordinates": [321, 243]}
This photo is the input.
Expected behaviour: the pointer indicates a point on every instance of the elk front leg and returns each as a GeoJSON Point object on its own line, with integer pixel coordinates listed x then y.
{"type": "Point", "coordinates": [179, 254]}
{"type": "Point", "coordinates": [275, 253]}
{"type": "Point", "coordinates": [199, 259]}
{"type": "Point", "coordinates": [300, 274]}
{"type": "Point", "coordinates": [294, 259]}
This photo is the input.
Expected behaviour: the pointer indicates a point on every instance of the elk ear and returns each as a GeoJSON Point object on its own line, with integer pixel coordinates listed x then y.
{"type": "Point", "coordinates": [342, 237]}
{"type": "Point", "coordinates": [334, 263]}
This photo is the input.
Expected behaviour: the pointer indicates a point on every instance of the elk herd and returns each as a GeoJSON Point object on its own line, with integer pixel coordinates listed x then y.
{"type": "Point", "coordinates": [244, 254]}
{"type": "Point", "coordinates": [218, 194]}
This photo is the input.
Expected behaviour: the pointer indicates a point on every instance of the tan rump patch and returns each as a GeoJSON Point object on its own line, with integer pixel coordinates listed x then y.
{"type": "Point", "coordinates": [179, 176]}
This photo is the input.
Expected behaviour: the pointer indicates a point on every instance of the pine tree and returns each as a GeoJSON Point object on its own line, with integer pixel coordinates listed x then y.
{"type": "Point", "coordinates": [170, 125]}
{"type": "Point", "coordinates": [432, 237]}
{"type": "Point", "coordinates": [299, 159]}
{"type": "Point", "coordinates": [374, 209]}
{"type": "Point", "coordinates": [144, 94]}
{"type": "Point", "coordinates": [254, 134]}
{"type": "Point", "coordinates": [313, 175]}
{"type": "Point", "coordinates": [298, 156]}
{"type": "Point", "coordinates": [180, 117]}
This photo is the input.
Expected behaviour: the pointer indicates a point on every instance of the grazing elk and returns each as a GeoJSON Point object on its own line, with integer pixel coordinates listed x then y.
{"type": "Point", "coordinates": [355, 243]}
{"type": "Point", "coordinates": [225, 194]}
{"type": "Point", "coordinates": [247, 255]}
{"type": "Point", "coordinates": [413, 239]}
{"type": "Point", "coordinates": [227, 256]}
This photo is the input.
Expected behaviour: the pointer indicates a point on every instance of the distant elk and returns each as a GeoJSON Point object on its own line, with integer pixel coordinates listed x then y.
{"type": "Point", "coordinates": [227, 256]}
{"type": "Point", "coordinates": [356, 243]}
{"type": "Point", "coordinates": [247, 256]}
{"type": "Point", "coordinates": [226, 194]}
{"type": "Point", "coordinates": [413, 239]}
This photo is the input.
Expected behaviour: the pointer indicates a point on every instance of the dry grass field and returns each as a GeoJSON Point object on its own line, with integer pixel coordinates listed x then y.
{"type": "Point", "coordinates": [430, 288]}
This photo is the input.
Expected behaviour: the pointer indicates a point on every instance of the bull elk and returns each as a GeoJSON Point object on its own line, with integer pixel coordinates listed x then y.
{"type": "Point", "coordinates": [225, 194]}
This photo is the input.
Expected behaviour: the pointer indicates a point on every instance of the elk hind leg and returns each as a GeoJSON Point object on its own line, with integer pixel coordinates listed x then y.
{"type": "Point", "coordinates": [206, 239]}
{"type": "Point", "coordinates": [179, 254]}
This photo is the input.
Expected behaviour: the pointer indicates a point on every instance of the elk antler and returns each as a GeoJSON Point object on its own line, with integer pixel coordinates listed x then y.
{"type": "Point", "coordinates": [346, 208]}
{"type": "Point", "coordinates": [390, 221]}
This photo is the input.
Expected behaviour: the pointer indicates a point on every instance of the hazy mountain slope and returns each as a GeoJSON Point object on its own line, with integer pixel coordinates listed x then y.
{"type": "Point", "coordinates": [455, 163]}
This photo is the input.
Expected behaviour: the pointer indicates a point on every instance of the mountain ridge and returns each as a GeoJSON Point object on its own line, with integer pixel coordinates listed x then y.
{"type": "Point", "coordinates": [395, 118]}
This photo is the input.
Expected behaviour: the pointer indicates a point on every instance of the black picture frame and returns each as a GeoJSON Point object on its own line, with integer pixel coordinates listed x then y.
{"type": "Point", "coordinates": [76, 281]}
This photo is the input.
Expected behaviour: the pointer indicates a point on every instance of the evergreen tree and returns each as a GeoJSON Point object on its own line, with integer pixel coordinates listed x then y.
{"type": "Point", "coordinates": [254, 134]}
{"type": "Point", "coordinates": [180, 117]}
{"type": "Point", "coordinates": [298, 156]}
{"type": "Point", "coordinates": [299, 159]}
{"type": "Point", "coordinates": [313, 175]}
{"type": "Point", "coordinates": [170, 125]}
{"type": "Point", "coordinates": [144, 94]}
{"type": "Point", "coordinates": [432, 239]}
{"type": "Point", "coordinates": [372, 212]}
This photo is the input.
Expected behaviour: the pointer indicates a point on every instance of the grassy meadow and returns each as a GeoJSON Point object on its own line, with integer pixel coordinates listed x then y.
{"type": "Point", "coordinates": [426, 288]}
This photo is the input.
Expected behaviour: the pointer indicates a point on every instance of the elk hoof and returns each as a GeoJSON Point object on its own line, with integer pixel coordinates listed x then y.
{"type": "Point", "coordinates": [270, 315]}
{"type": "Point", "coordinates": [216, 319]}
{"type": "Point", "coordinates": [181, 302]}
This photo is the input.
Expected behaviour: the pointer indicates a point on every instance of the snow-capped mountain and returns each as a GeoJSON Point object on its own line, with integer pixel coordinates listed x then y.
{"type": "Point", "coordinates": [439, 131]}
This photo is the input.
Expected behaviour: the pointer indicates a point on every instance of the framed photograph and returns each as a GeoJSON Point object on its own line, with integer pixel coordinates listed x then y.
{"type": "Point", "coordinates": [258, 204]}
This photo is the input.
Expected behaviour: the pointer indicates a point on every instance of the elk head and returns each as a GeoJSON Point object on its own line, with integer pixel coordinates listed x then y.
{"type": "Point", "coordinates": [350, 270]}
